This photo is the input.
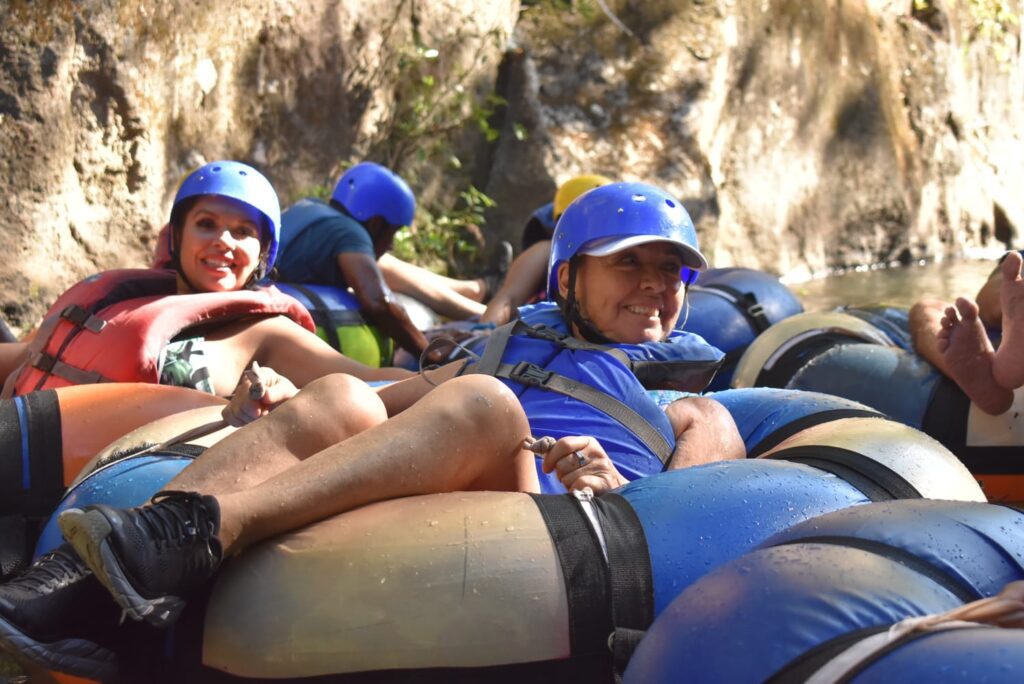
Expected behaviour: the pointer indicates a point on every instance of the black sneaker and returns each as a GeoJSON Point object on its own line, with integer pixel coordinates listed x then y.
{"type": "Point", "coordinates": [55, 614]}
{"type": "Point", "coordinates": [149, 557]}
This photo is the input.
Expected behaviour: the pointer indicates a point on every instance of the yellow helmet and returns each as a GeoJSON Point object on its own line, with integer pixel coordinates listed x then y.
{"type": "Point", "coordinates": [574, 187]}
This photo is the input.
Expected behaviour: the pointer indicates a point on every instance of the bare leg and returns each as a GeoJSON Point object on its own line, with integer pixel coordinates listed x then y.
{"type": "Point", "coordinates": [332, 409]}
{"type": "Point", "coordinates": [465, 435]}
{"type": "Point", "coordinates": [969, 356]}
{"type": "Point", "coordinates": [525, 278]}
{"type": "Point", "coordinates": [455, 299]}
{"type": "Point", "coordinates": [1008, 364]}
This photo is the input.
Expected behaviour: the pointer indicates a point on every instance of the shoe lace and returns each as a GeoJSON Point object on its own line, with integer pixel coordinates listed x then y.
{"type": "Point", "coordinates": [177, 518]}
{"type": "Point", "coordinates": [53, 569]}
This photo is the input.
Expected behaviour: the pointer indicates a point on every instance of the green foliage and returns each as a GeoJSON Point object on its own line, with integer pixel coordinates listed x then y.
{"type": "Point", "coordinates": [997, 23]}
{"type": "Point", "coordinates": [440, 237]}
{"type": "Point", "coordinates": [437, 99]}
{"type": "Point", "coordinates": [433, 103]}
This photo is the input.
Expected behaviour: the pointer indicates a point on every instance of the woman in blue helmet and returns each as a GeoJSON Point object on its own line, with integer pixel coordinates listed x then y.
{"type": "Point", "coordinates": [200, 325]}
{"type": "Point", "coordinates": [621, 259]}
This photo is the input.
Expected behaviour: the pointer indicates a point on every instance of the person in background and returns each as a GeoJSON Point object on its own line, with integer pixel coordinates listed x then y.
{"type": "Point", "coordinates": [524, 281]}
{"type": "Point", "coordinates": [345, 243]}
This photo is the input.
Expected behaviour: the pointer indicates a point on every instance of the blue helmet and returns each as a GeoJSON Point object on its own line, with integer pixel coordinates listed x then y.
{"type": "Point", "coordinates": [367, 190]}
{"type": "Point", "coordinates": [616, 216]}
{"type": "Point", "coordinates": [240, 182]}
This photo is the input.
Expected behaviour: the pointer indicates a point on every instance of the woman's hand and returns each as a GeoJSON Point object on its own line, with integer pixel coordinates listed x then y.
{"type": "Point", "coordinates": [581, 463]}
{"type": "Point", "coordinates": [258, 392]}
{"type": "Point", "coordinates": [705, 432]}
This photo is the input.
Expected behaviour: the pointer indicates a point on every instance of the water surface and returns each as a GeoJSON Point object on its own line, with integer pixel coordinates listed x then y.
{"type": "Point", "coordinates": [899, 286]}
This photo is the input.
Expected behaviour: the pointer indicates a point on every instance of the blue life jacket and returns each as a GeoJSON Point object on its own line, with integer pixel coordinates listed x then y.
{"type": "Point", "coordinates": [570, 387]}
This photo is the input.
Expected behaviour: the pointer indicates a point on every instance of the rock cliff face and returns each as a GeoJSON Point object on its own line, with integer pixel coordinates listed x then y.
{"type": "Point", "coordinates": [801, 134]}
{"type": "Point", "coordinates": [105, 105]}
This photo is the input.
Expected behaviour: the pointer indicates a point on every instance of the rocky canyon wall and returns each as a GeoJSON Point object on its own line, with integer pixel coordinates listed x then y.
{"type": "Point", "coordinates": [802, 135]}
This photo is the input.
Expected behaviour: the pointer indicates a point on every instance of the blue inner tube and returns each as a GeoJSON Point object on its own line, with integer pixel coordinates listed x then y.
{"type": "Point", "coordinates": [778, 613]}
{"type": "Point", "coordinates": [729, 307]}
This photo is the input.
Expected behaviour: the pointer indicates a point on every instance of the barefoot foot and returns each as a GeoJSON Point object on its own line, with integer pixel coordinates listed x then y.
{"type": "Point", "coordinates": [968, 356]}
{"type": "Point", "coordinates": [1008, 363]}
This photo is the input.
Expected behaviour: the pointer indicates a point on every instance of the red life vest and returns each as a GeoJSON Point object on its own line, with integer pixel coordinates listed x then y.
{"type": "Point", "coordinates": [113, 327]}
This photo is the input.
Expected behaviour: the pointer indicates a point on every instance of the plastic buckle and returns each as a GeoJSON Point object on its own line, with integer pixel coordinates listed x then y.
{"type": "Point", "coordinates": [756, 310]}
{"type": "Point", "coordinates": [530, 375]}
{"type": "Point", "coordinates": [44, 362]}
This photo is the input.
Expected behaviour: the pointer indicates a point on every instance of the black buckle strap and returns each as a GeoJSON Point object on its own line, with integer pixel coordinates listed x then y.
{"type": "Point", "coordinates": [44, 362]}
{"type": "Point", "coordinates": [630, 577]}
{"type": "Point", "coordinates": [81, 318]}
{"type": "Point", "coordinates": [531, 375]}
{"type": "Point", "coordinates": [747, 303]}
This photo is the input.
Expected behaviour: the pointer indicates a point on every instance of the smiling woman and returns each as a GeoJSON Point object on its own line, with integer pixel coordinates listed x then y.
{"type": "Point", "coordinates": [220, 245]}
{"type": "Point", "coordinates": [199, 325]}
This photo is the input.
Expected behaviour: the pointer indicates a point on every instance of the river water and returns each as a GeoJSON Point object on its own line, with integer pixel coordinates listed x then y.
{"type": "Point", "coordinates": [899, 285]}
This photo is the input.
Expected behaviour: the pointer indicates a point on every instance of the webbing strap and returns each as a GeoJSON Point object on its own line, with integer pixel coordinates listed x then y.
{"type": "Point", "coordinates": [748, 305]}
{"type": "Point", "coordinates": [786, 365]}
{"type": "Point", "coordinates": [611, 603]}
{"type": "Point", "coordinates": [498, 341]}
{"type": "Point", "coordinates": [800, 424]}
{"type": "Point", "coordinates": [629, 576]}
{"type": "Point", "coordinates": [798, 670]}
{"type": "Point", "coordinates": [584, 572]}
{"type": "Point", "coordinates": [33, 348]}
{"type": "Point", "coordinates": [840, 660]}
{"type": "Point", "coordinates": [495, 349]}
{"type": "Point", "coordinates": [82, 318]}
{"type": "Point", "coordinates": [858, 657]}
{"type": "Point", "coordinates": [876, 481]}
{"type": "Point", "coordinates": [76, 376]}
{"type": "Point", "coordinates": [532, 375]}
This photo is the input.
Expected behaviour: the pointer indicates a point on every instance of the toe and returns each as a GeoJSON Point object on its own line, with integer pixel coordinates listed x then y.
{"type": "Point", "coordinates": [968, 310]}
{"type": "Point", "coordinates": [1011, 266]}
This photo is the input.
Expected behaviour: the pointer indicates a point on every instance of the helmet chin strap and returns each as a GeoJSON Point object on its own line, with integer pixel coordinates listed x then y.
{"type": "Point", "coordinates": [573, 315]}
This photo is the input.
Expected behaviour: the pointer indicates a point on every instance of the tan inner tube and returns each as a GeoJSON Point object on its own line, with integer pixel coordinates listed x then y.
{"type": "Point", "coordinates": [466, 579]}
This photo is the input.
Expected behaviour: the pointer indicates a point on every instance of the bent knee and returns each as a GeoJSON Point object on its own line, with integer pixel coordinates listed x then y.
{"type": "Point", "coordinates": [484, 401]}
{"type": "Point", "coordinates": [340, 403]}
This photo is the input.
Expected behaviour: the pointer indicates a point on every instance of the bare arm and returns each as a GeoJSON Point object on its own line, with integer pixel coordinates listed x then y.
{"type": "Point", "coordinates": [376, 302]}
{"type": "Point", "coordinates": [302, 357]}
{"type": "Point", "coordinates": [525, 278]}
{"type": "Point", "coordinates": [437, 292]}
{"type": "Point", "coordinates": [705, 432]}
{"type": "Point", "coordinates": [401, 395]}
